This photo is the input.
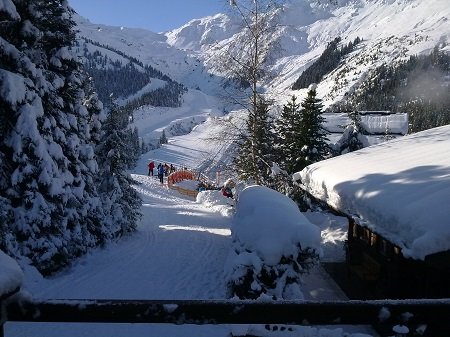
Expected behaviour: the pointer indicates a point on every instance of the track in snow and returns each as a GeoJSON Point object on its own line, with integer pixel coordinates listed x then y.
{"type": "Point", "coordinates": [178, 252]}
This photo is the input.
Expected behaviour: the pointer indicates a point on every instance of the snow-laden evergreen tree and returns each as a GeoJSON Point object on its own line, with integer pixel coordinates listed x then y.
{"type": "Point", "coordinates": [96, 113]}
{"type": "Point", "coordinates": [301, 136]}
{"type": "Point", "coordinates": [163, 138]}
{"type": "Point", "coordinates": [48, 162]}
{"type": "Point", "coordinates": [256, 155]}
{"type": "Point", "coordinates": [121, 201]}
{"type": "Point", "coordinates": [95, 117]}
{"type": "Point", "coordinates": [288, 128]}
{"type": "Point", "coordinates": [312, 133]}
{"type": "Point", "coordinates": [245, 61]}
{"type": "Point", "coordinates": [136, 144]}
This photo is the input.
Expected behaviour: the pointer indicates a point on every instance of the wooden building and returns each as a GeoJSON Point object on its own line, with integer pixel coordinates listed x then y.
{"type": "Point", "coordinates": [380, 264]}
{"type": "Point", "coordinates": [396, 196]}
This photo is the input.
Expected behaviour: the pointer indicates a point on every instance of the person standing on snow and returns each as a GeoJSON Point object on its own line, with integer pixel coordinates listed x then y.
{"type": "Point", "coordinates": [166, 169]}
{"type": "Point", "coordinates": [161, 173]}
{"type": "Point", "coordinates": [151, 166]}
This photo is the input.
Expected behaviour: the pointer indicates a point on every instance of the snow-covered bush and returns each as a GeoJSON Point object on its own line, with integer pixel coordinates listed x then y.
{"type": "Point", "coordinates": [352, 139]}
{"type": "Point", "coordinates": [215, 200]}
{"type": "Point", "coordinates": [273, 245]}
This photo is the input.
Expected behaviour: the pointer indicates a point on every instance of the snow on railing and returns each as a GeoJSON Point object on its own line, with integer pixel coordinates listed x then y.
{"type": "Point", "coordinates": [383, 315]}
{"type": "Point", "coordinates": [179, 176]}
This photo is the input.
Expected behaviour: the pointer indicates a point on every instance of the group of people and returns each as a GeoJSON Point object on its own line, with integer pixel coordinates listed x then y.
{"type": "Point", "coordinates": [161, 170]}
{"type": "Point", "coordinates": [164, 171]}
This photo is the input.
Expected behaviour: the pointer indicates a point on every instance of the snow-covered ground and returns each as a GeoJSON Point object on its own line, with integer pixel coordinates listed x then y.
{"type": "Point", "coordinates": [181, 245]}
{"type": "Point", "coordinates": [178, 252]}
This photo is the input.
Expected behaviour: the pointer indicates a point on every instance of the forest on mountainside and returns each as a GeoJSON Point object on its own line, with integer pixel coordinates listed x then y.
{"type": "Point", "coordinates": [114, 78]}
{"type": "Point", "coordinates": [327, 62]}
{"type": "Point", "coordinates": [419, 86]}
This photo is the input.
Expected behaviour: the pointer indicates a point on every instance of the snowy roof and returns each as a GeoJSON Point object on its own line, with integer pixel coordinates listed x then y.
{"type": "Point", "coordinates": [373, 122]}
{"type": "Point", "coordinates": [400, 189]}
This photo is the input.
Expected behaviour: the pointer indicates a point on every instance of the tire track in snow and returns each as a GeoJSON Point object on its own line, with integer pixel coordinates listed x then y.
{"type": "Point", "coordinates": [178, 252]}
{"type": "Point", "coordinates": [191, 278]}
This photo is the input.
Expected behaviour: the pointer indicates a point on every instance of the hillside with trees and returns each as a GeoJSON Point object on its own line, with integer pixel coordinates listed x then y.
{"type": "Point", "coordinates": [419, 86]}
{"type": "Point", "coordinates": [125, 76]}
{"type": "Point", "coordinates": [328, 61]}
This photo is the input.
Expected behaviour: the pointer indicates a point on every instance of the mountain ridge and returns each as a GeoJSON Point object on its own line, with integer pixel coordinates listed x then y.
{"type": "Point", "coordinates": [392, 30]}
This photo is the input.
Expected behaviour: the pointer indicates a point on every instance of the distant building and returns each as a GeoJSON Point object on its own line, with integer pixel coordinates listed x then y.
{"type": "Point", "coordinates": [397, 198]}
{"type": "Point", "coordinates": [374, 122]}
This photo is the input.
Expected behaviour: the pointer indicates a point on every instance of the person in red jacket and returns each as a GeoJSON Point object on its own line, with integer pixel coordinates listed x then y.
{"type": "Point", "coordinates": [151, 166]}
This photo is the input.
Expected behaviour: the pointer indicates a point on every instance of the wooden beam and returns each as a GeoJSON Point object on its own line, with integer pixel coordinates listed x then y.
{"type": "Point", "coordinates": [430, 312]}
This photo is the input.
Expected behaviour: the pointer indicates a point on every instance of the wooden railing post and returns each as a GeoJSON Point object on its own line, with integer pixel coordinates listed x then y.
{"type": "Point", "coordinates": [3, 309]}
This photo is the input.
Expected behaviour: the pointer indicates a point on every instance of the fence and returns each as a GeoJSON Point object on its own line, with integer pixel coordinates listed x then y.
{"type": "Point", "coordinates": [178, 176]}
{"type": "Point", "coordinates": [434, 315]}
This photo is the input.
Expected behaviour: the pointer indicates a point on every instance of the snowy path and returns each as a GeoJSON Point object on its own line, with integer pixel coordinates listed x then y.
{"type": "Point", "coordinates": [178, 252]}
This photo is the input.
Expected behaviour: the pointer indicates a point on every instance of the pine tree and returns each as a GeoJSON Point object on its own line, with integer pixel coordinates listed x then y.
{"type": "Point", "coordinates": [121, 201]}
{"type": "Point", "coordinates": [257, 144]}
{"type": "Point", "coordinates": [301, 135]}
{"type": "Point", "coordinates": [95, 116]}
{"type": "Point", "coordinates": [48, 161]}
{"type": "Point", "coordinates": [353, 136]}
{"type": "Point", "coordinates": [31, 180]}
{"type": "Point", "coordinates": [163, 138]}
{"type": "Point", "coordinates": [288, 127]}
{"type": "Point", "coordinates": [136, 144]}
{"type": "Point", "coordinates": [315, 146]}
{"type": "Point", "coordinates": [13, 94]}
{"type": "Point", "coordinates": [312, 133]}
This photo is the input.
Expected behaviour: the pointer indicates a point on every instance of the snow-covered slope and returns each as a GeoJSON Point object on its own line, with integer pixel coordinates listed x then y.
{"type": "Point", "coordinates": [151, 49]}
{"type": "Point", "coordinates": [203, 32]}
{"type": "Point", "coordinates": [391, 30]}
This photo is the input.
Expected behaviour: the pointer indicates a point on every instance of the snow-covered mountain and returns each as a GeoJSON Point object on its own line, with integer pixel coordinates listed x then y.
{"type": "Point", "coordinates": [391, 30]}
{"type": "Point", "coordinates": [151, 49]}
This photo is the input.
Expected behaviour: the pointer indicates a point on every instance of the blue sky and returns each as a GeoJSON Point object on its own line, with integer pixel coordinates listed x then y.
{"type": "Point", "coordinates": [155, 15]}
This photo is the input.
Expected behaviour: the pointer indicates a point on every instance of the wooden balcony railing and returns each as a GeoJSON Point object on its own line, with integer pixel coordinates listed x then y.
{"type": "Point", "coordinates": [381, 314]}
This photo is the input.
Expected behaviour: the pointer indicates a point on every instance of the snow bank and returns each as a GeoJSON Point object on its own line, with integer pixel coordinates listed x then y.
{"type": "Point", "coordinates": [215, 200]}
{"type": "Point", "coordinates": [188, 184]}
{"type": "Point", "coordinates": [11, 276]}
{"type": "Point", "coordinates": [273, 246]}
{"type": "Point", "coordinates": [399, 189]}
{"type": "Point", "coordinates": [271, 224]}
